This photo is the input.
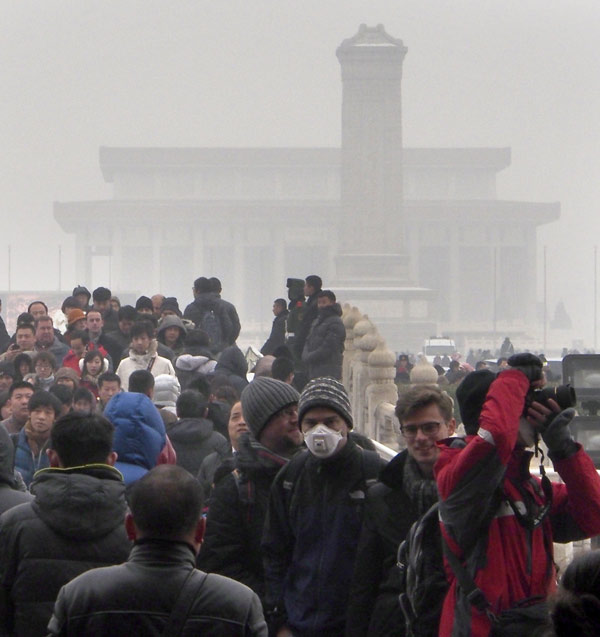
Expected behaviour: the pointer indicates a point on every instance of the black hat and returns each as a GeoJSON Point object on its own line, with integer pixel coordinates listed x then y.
{"type": "Point", "coordinates": [325, 392]}
{"type": "Point", "coordinates": [471, 395]}
{"type": "Point", "coordinates": [80, 289]}
{"type": "Point", "coordinates": [171, 304]}
{"type": "Point", "coordinates": [144, 302]}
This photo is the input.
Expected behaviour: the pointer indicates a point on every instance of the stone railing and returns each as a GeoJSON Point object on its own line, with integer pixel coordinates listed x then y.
{"type": "Point", "coordinates": [368, 374]}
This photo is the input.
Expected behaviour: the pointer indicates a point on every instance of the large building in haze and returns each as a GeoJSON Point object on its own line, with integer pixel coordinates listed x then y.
{"type": "Point", "coordinates": [416, 236]}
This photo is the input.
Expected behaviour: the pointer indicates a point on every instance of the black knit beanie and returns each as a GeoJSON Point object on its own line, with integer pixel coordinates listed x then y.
{"type": "Point", "coordinates": [471, 395]}
{"type": "Point", "coordinates": [262, 399]}
{"type": "Point", "coordinates": [325, 392]}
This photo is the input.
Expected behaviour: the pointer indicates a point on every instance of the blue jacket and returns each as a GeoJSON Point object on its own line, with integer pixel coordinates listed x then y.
{"type": "Point", "coordinates": [25, 461]}
{"type": "Point", "coordinates": [310, 538]}
{"type": "Point", "coordinates": [139, 433]}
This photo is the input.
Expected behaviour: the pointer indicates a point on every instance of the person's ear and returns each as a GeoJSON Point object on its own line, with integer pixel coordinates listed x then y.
{"type": "Point", "coordinates": [451, 426]}
{"type": "Point", "coordinates": [130, 527]}
{"type": "Point", "coordinates": [112, 458]}
{"type": "Point", "coordinates": [53, 458]}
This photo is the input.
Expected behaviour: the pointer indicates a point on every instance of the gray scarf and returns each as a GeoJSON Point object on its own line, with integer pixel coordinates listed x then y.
{"type": "Point", "coordinates": [421, 491]}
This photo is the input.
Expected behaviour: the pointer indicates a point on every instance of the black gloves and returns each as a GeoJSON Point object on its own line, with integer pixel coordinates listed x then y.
{"type": "Point", "coordinates": [557, 435]}
{"type": "Point", "coordinates": [527, 363]}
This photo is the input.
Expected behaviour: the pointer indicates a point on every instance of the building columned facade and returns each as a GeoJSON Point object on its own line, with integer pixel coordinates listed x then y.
{"type": "Point", "coordinates": [417, 236]}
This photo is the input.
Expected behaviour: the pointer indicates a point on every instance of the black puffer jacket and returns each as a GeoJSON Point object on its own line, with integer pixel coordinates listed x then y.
{"type": "Point", "coordinates": [193, 439]}
{"type": "Point", "coordinates": [137, 598]}
{"type": "Point", "coordinates": [277, 335]}
{"type": "Point", "coordinates": [324, 348]}
{"type": "Point", "coordinates": [373, 608]}
{"type": "Point", "coordinates": [233, 364]}
{"type": "Point", "coordinates": [75, 523]}
{"type": "Point", "coordinates": [236, 517]}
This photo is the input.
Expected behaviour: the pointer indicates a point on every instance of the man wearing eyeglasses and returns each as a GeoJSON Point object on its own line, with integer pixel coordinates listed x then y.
{"type": "Point", "coordinates": [405, 491]}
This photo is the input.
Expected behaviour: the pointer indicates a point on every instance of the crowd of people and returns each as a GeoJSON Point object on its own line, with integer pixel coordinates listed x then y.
{"type": "Point", "coordinates": [147, 487]}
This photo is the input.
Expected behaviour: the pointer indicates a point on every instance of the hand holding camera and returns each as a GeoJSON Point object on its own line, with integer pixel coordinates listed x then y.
{"type": "Point", "coordinates": [553, 424]}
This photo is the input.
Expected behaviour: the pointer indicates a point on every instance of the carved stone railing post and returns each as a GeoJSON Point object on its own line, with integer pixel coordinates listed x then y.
{"type": "Point", "coordinates": [381, 389]}
{"type": "Point", "coordinates": [365, 341]}
{"type": "Point", "coordinates": [350, 317]}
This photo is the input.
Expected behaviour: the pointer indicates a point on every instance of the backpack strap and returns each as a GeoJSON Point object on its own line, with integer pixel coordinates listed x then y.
{"type": "Point", "coordinates": [292, 471]}
{"type": "Point", "coordinates": [371, 465]}
{"type": "Point", "coordinates": [183, 604]}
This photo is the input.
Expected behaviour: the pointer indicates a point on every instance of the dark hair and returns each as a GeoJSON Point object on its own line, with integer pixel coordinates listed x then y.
{"type": "Point", "coordinates": [89, 356]}
{"type": "Point", "coordinates": [314, 281]}
{"type": "Point", "coordinates": [84, 336]}
{"type": "Point", "coordinates": [202, 384]}
{"type": "Point", "coordinates": [4, 398]}
{"type": "Point", "coordinates": [191, 404]}
{"type": "Point", "coordinates": [24, 319]}
{"type": "Point", "coordinates": [81, 439]}
{"type": "Point", "coordinates": [127, 313]}
{"type": "Point", "coordinates": [422, 396]}
{"type": "Point", "coordinates": [101, 294]}
{"type": "Point", "coordinates": [227, 393]}
{"type": "Point", "coordinates": [25, 326]}
{"type": "Point", "coordinates": [327, 294]}
{"type": "Point", "coordinates": [63, 393]}
{"type": "Point", "coordinates": [197, 337]}
{"type": "Point", "coordinates": [215, 284]}
{"type": "Point", "coordinates": [45, 356]}
{"type": "Point", "coordinates": [575, 609]}
{"type": "Point", "coordinates": [81, 393]}
{"type": "Point", "coordinates": [501, 360]}
{"type": "Point", "coordinates": [166, 503]}
{"type": "Point", "coordinates": [70, 301]}
{"type": "Point", "coordinates": [34, 302]}
{"type": "Point", "coordinates": [281, 302]}
{"type": "Point", "coordinates": [19, 384]}
{"type": "Point", "coordinates": [20, 358]}
{"type": "Point", "coordinates": [44, 399]}
{"type": "Point", "coordinates": [108, 377]}
{"type": "Point", "coordinates": [141, 381]}
{"type": "Point", "coordinates": [202, 284]}
{"type": "Point", "coordinates": [142, 327]}
{"type": "Point", "coordinates": [282, 368]}
{"type": "Point", "coordinates": [144, 302]}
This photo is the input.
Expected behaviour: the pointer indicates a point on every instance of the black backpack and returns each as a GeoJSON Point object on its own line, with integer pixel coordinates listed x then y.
{"type": "Point", "coordinates": [210, 323]}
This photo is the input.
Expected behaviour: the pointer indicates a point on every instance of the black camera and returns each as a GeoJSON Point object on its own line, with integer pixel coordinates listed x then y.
{"type": "Point", "coordinates": [564, 395]}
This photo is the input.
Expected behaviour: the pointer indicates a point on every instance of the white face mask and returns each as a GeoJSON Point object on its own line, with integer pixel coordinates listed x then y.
{"type": "Point", "coordinates": [322, 441]}
{"type": "Point", "coordinates": [528, 432]}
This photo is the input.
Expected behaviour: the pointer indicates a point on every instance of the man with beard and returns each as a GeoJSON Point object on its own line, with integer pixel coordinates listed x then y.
{"type": "Point", "coordinates": [324, 348]}
{"type": "Point", "coordinates": [239, 500]}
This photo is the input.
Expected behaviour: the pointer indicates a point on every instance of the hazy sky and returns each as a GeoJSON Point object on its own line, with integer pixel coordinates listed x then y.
{"type": "Point", "coordinates": [77, 75]}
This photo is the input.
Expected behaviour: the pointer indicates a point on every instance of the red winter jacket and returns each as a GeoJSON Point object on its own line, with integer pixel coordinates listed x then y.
{"type": "Point", "coordinates": [509, 563]}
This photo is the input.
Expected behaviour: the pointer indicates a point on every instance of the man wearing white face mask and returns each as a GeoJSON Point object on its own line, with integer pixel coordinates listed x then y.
{"type": "Point", "coordinates": [315, 516]}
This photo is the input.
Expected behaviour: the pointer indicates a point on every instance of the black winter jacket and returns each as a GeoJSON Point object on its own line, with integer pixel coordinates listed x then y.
{"type": "Point", "coordinates": [136, 598]}
{"type": "Point", "coordinates": [324, 348]}
{"type": "Point", "coordinates": [309, 314]}
{"type": "Point", "coordinates": [310, 538]}
{"type": "Point", "coordinates": [373, 607]}
{"type": "Point", "coordinates": [206, 302]}
{"type": "Point", "coordinates": [277, 335]}
{"type": "Point", "coordinates": [236, 517]}
{"type": "Point", "coordinates": [10, 488]}
{"type": "Point", "coordinates": [193, 439]}
{"type": "Point", "coordinates": [75, 523]}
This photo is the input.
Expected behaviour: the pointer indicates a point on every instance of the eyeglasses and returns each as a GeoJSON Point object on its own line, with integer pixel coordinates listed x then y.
{"type": "Point", "coordinates": [428, 429]}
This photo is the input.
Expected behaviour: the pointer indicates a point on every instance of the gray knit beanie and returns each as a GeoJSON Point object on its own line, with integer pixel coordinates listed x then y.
{"type": "Point", "coordinates": [325, 392]}
{"type": "Point", "coordinates": [262, 399]}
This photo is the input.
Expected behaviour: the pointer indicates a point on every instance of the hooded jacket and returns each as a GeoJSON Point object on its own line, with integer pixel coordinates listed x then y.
{"type": "Point", "coordinates": [190, 366]}
{"type": "Point", "coordinates": [233, 364]}
{"type": "Point", "coordinates": [238, 506]}
{"type": "Point", "coordinates": [139, 433]}
{"type": "Point", "coordinates": [194, 439]}
{"type": "Point", "coordinates": [172, 320]}
{"type": "Point", "coordinates": [324, 348]}
{"type": "Point", "coordinates": [75, 523]}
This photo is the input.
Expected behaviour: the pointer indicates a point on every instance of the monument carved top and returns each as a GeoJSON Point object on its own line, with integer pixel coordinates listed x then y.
{"type": "Point", "coordinates": [370, 37]}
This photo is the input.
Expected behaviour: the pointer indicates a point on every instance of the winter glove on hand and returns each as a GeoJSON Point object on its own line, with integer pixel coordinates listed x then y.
{"type": "Point", "coordinates": [527, 363]}
{"type": "Point", "coordinates": [557, 435]}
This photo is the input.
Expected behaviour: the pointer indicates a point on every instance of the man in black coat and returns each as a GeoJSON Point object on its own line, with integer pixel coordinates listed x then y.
{"type": "Point", "coordinates": [74, 523]}
{"type": "Point", "coordinates": [238, 504]}
{"type": "Point", "coordinates": [405, 491]}
{"type": "Point", "coordinates": [324, 348]}
{"type": "Point", "coordinates": [277, 335]}
{"type": "Point", "coordinates": [158, 591]}
{"type": "Point", "coordinates": [312, 286]}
